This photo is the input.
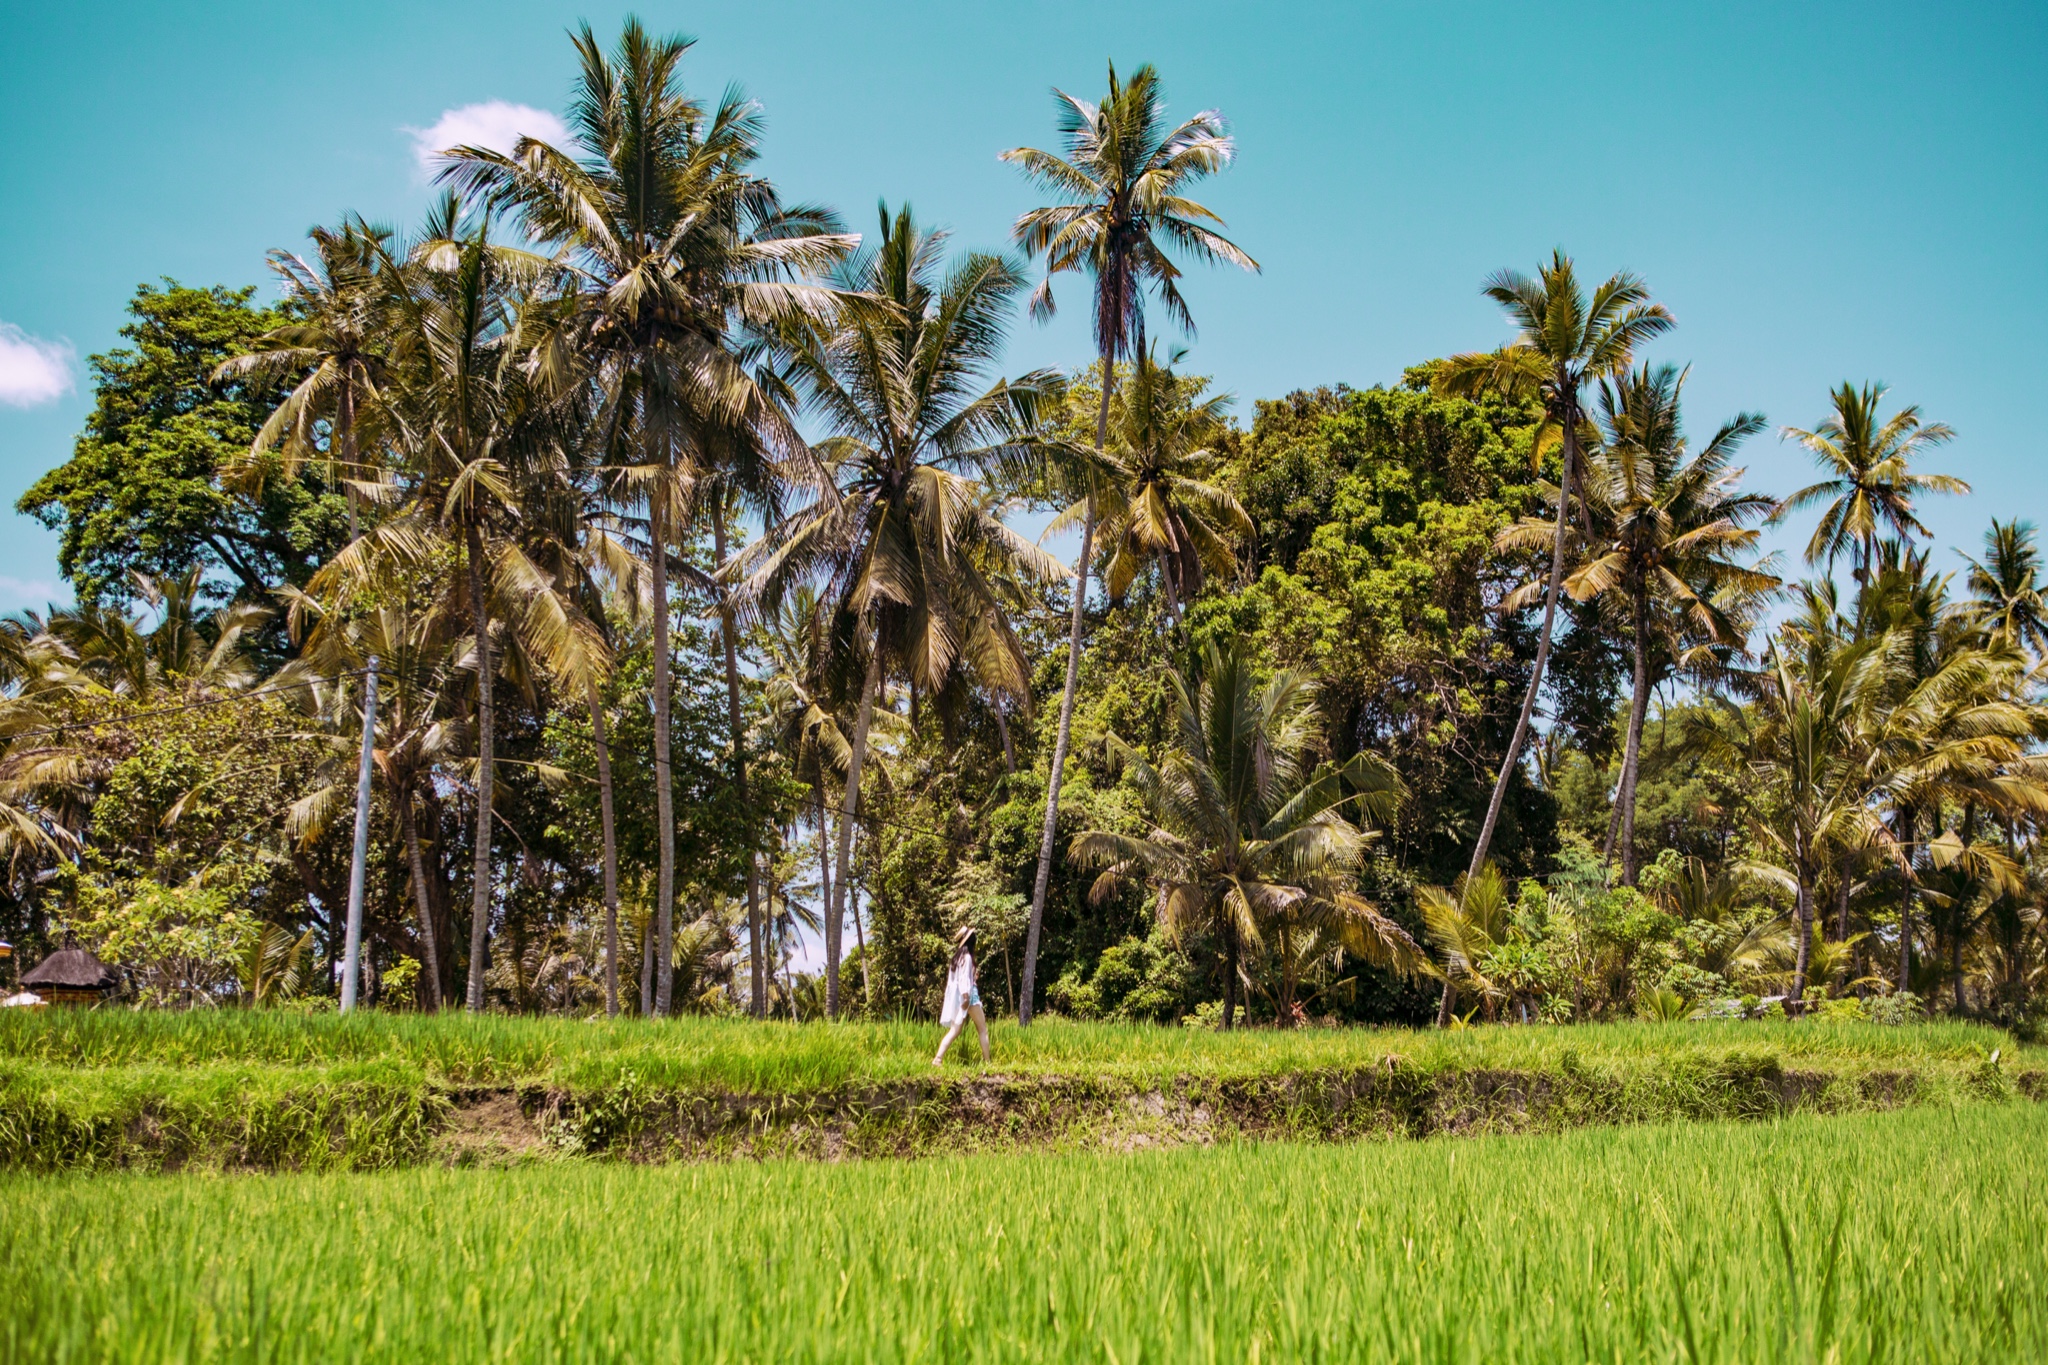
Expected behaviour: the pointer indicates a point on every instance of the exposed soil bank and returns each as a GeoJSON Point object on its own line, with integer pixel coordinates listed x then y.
{"type": "Point", "coordinates": [379, 1117]}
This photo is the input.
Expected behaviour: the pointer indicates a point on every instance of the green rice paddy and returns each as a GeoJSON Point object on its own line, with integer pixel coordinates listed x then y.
{"type": "Point", "coordinates": [1913, 1236]}
{"type": "Point", "coordinates": [742, 1055]}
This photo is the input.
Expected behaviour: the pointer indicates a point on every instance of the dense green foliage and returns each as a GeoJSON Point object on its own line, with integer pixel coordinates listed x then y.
{"type": "Point", "coordinates": [151, 487]}
{"type": "Point", "coordinates": [691, 550]}
{"type": "Point", "coordinates": [1881, 1238]}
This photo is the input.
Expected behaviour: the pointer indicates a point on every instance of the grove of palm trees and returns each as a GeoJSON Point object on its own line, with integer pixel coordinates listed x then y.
{"type": "Point", "coordinates": [743, 628]}
{"type": "Point", "coordinates": [646, 767]}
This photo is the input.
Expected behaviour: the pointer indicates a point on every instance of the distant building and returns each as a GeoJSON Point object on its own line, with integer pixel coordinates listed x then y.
{"type": "Point", "coordinates": [70, 976]}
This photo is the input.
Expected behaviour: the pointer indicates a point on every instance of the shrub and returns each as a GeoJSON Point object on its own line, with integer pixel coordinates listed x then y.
{"type": "Point", "coordinates": [1900, 1007]}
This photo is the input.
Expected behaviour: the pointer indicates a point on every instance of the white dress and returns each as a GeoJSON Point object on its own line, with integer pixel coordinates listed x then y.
{"type": "Point", "coordinates": [960, 991]}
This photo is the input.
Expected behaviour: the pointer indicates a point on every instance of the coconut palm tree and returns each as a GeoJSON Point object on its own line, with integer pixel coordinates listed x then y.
{"type": "Point", "coordinates": [1154, 502]}
{"type": "Point", "coordinates": [1952, 723]}
{"type": "Point", "coordinates": [334, 347]}
{"type": "Point", "coordinates": [575, 569]}
{"type": "Point", "coordinates": [1890, 716]}
{"type": "Point", "coordinates": [1250, 835]}
{"type": "Point", "coordinates": [188, 649]}
{"type": "Point", "coordinates": [907, 552]}
{"type": "Point", "coordinates": [676, 246]}
{"type": "Point", "coordinates": [1464, 925]}
{"type": "Point", "coordinates": [415, 740]}
{"type": "Point", "coordinates": [463, 415]}
{"type": "Point", "coordinates": [1566, 341]}
{"type": "Point", "coordinates": [811, 675]}
{"type": "Point", "coordinates": [2011, 602]}
{"type": "Point", "coordinates": [1669, 533]}
{"type": "Point", "coordinates": [1125, 210]}
{"type": "Point", "coordinates": [1870, 485]}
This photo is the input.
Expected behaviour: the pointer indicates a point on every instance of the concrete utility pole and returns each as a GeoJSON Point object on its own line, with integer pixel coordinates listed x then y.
{"type": "Point", "coordinates": [352, 951]}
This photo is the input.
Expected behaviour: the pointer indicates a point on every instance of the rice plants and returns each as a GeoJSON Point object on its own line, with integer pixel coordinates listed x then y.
{"type": "Point", "coordinates": [1913, 1236]}
{"type": "Point", "coordinates": [741, 1055]}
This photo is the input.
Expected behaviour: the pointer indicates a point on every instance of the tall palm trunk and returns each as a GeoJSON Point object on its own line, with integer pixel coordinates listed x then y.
{"type": "Point", "coordinates": [1521, 735]}
{"type": "Point", "coordinates": [1796, 997]}
{"type": "Point", "coordinates": [1909, 820]}
{"type": "Point", "coordinates": [664, 788]}
{"type": "Point", "coordinates": [824, 867]}
{"type": "Point", "coordinates": [1009, 748]}
{"type": "Point", "coordinates": [860, 941]}
{"type": "Point", "coordinates": [1229, 976]}
{"type": "Point", "coordinates": [1065, 734]}
{"type": "Point", "coordinates": [345, 437]}
{"type": "Point", "coordinates": [418, 866]}
{"type": "Point", "coordinates": [438, 888]}
{"type": "Point", "coordinates": [611, 852]}
{"type": "Point", "coordinates": [1632, 754]}
{"type": "Point", "coordinates": [647, 969]}
{"type": "Point", "coordinates": [759, 961]}
{"type": "Point", "coordinates": [1962, 925]}
{"type": "Point", "coordinates": [848, 807]}
{"type": "Point", "coordinates": [486, 718]}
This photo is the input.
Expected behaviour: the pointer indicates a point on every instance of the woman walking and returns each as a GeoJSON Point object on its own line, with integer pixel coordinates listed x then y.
{"type": "Point", "coordinates": [963, 998]}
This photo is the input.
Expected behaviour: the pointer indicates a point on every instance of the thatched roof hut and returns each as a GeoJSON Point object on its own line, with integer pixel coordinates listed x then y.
{"type": "Point", "coordinates": [70, 976]}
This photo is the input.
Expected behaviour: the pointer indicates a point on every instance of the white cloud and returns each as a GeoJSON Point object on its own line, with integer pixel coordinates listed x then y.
{"type": "Point", "coordinates": [32, 370]}
{"type": "Point", "coordinates": [495, 124]}
{"type": "Point", "coordinates": [32, 594]}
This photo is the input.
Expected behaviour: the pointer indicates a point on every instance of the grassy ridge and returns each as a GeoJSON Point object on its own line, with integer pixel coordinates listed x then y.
{"type": "Point", "coordinates": [736, 1055]}
{"type": "Point", "coordinates": [1901, 1237]}
{"type": "Point", "coordinates": [235, 1089]}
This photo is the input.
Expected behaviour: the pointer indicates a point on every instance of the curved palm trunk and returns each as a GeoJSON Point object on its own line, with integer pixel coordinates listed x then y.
{"type": "Point", "coordinates": [1444, 1003]}
{"type": "Point", "coordinates": [409, 825]}
{"type": "Point", "coordinates": [664, 788]}
{"type": "Point", "coordinates": [1043, 877]}
{"type": "Point", "coordinates": [480, 884]}
{"type": "Point", "coordinates": [1632, 754]}
{"type": "Point", "coordinates": [611, 852]}
{"type": "Point", "coordinates": [848, 807]}
{"type": "Point", "coordinates": [758, 1006]}
{"type": "Point", "coordinates": [1521, 735]}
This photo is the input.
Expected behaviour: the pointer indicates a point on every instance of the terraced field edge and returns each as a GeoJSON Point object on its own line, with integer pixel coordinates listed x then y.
{"type": "Point", "coordinates": [386, 1114]}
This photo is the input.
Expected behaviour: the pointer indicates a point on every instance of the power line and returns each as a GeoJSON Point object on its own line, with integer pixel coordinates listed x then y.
{"type": "Point", "coordinates": [228, 700]}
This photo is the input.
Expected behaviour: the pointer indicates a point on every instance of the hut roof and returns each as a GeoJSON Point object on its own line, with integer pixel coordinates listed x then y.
{"type": "Point", "coordinates": [73, 967]}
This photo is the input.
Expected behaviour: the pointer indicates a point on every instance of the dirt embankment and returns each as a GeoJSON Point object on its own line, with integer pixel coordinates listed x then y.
{"type": "Point", "coordinates": [361, 1125]}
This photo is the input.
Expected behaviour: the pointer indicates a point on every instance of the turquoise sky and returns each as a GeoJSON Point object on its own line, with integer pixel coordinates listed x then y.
{"type": "Point", "coordinates": [1819, 192]}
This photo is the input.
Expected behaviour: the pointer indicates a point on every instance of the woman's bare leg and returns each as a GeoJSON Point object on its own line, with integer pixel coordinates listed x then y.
{"type": "Point", "coordinates": [981, 1023]}
{"type": "Point", "coordinates": [947, 1041]}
